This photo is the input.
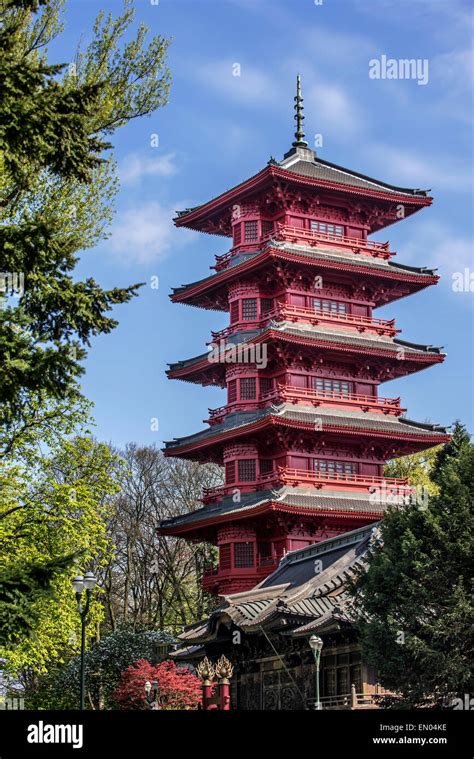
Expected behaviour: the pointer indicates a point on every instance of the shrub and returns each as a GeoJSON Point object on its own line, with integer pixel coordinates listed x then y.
{"type": "Point", "coordinates": [178, 687]}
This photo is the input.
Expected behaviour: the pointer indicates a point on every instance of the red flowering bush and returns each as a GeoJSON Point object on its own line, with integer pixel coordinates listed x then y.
{"type": "Point", "coordinates": [178, 687]}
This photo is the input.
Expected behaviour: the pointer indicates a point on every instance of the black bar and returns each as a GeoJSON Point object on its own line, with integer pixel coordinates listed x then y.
{"type": "Point", "coordinates": [330, 733]}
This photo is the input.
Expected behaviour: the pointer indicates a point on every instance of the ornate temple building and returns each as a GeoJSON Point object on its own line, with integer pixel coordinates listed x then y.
{"type": "Point", "coordinates": [306, 428]}
{"type": "Point", "coordinates": [264, 632]}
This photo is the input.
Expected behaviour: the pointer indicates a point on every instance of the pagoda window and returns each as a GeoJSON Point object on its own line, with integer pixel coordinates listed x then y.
{"type": "Point", "coordinates": [232, 391]}
{"type": "Point", "coordinates": [325, 228]}
{"type": "Point", "coordinates": [247, 470]}
{"type": "Point", "coordinates": [266, 384]}
{"type": "Point", "coordinates": [248, 388]}
{"type": "Point", "coordinates": [332, 386]}
{"type": "Point", "coordinates": [249, 309]}
{"type": "Point", "coordinates": [266, 466]}
{"type": "Point", "coordinates": [266, 305]}
{"type": "Point", "coordinates": [244, 555]}
{"type": "Point", "coordinates": [251, 231]}
{"type": "Point", "coordinates": [327, 466]}
{"type": "Point", "coordinates": [237, 234]}
{"type": "Point", "coordinates": [330, 306]}
{"type": "Point", "coordinates": [267, 227]}
{"type": "Point", "coordinates": [224, 557]}
{"type": "Point", "coordinates": [230, 472]}
{"type": "Point", "coordinates": [234, 311]}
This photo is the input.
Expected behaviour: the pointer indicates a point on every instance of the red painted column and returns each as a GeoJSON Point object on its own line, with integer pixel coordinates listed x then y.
{"type": "Point", "coordinates": [224, 693]}
{"type": "Point", "coordinates": [206, 694]}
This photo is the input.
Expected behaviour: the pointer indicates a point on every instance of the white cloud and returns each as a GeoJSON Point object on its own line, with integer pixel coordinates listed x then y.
{"type": "Point", "coordinates": [251, 87]}
{"type": "Point", "coordinates": [454, 72]}
{"type": "Point", "coordinates": [440, 246]}
{"type": "Point", "coordinates": [336, 49]}
{"type": "Point", "coordinates": [405, 168]}
{"type": "Point", "coordinates": [443, 21]}
{"type": "Point", "coordinates": [135, 166]}
{"type": "Point", "coordinates": [146, 233]}
{"type": "Point", "coordinates": [335, 111]}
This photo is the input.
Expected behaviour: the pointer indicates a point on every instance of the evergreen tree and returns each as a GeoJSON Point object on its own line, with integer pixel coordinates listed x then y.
{"type": "Point", "coordinates": [414, 601]}
{"type": "Point", "coordinates": [57, 183]}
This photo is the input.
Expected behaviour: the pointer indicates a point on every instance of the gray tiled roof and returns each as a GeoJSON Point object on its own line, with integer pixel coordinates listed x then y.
{"type": "Point", "coordinates": [328, 416]}
{"type": "Point", "coordinates": [327, 334]}
{"type": "Point", "coordinates": [327, 500]}
{"type": "Point", "coordinates": [306, 163]}
{"type": "Point", "coordinates": [337, 255]}
{"type": "Point", "coordinates": [355, 338]}
{"type": "Point", "coordinates": [320, 253]}
{"type": "Point", "coordinates": [306, 595]}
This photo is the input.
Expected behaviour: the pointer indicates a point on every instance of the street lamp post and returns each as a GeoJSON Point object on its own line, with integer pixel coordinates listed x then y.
{"type": "Point", "coordinates": [80, 584]}
{"type": "Point", "coordinates": [316, 644]}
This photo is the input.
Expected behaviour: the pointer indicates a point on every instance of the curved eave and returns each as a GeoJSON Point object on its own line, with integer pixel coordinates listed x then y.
{"type": "Point", "coordinates": [200, 365]}
{"type": "Point", "coordinates": [174, 449]}
{"type": "Point", "coordinates": [200, 213]}
{"type": "Point", "coordinates": [197, 216]}
{"type": "Point", "coordinates": [264, 508]}
{"type": "Point", "coordinates": [195, 289]}
{"type": "Point", "coordinates": [325, 625]}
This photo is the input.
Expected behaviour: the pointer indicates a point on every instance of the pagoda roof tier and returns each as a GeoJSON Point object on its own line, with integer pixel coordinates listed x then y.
{"type": "Point", "coordinates": [295, 599]}
{"type": "Point", "coordinates": [208, 444]}
{"type": "Point", "coordinates": [301, 168]}
{"type": "Point", "coordinates": [211, 292]}
{"type": "Point", "coordinates": [299, 501]}
{"type": "Point", "coordinates": [401, 356]}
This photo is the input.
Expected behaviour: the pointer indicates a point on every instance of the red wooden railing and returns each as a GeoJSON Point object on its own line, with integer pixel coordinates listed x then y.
{"type": "Point", "coordinates": [295, 234]}
{"type": "Point", "coordinates": [263, 565]}
{"type": "Point", "coordinates": [319, 480]}
{"type": "Point", "coordinates": [216, 414]}
{"type": "Point", "coordinates": [210, 494]}
{"type": "Point", "coordinates": [298, 235]}
{"type": "Point", "coordinates": [222, 262]}
{"type": "Point", "coordinates": [313, 316]}
{"type": "Point", "coordinates": [361, 323]}
{"type": "Point", "coordinates": [316, 398]}
{"type": "Point", "coordinates": [290, 476]}
{"type": "Point", "coordinates": [222, 334]}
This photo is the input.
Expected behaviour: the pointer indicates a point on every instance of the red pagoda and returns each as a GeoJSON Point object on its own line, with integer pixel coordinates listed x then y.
{"type": "Point", "coordinates": [305, 432]}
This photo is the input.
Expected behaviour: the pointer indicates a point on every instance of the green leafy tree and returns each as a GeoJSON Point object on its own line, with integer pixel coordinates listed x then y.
{"type": "Point", "coordinates": [49, 513]}
{"type": "Point", "coordinates": [23, 582]}
{"type": "Point", "coordinates": [414, 601]}
{"type": "Point", "coordinates": [20, 589]}
{"type": "Point", "coordinates": [418, 467]}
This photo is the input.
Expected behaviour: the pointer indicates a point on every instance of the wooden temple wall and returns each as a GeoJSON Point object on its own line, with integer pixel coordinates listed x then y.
{"type": "Point", "coordinates": [274, 685]}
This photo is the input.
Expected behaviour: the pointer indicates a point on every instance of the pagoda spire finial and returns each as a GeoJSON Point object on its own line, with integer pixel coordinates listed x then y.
{"type": "Point", "coordinates": [300, 142]}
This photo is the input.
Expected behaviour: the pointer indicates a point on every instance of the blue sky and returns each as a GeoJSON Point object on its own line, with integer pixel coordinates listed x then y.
{"type": "Point", "coordinates": [219, 129]}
